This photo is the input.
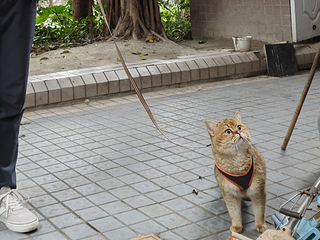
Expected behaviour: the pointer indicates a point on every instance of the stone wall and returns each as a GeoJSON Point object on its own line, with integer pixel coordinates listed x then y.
{"type": "Point", "coordinates": [265, 20]}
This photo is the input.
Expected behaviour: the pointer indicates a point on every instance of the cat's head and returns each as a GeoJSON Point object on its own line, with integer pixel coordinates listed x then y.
{"type": "Point", "coordinates": [229, 136]}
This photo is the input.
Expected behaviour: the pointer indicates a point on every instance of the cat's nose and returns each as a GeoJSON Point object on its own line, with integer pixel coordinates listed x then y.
{"type": "Point", "coordinates": [238, 132]}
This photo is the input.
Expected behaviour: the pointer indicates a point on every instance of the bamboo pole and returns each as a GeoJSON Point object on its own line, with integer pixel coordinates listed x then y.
{"type": "Point", "coordinates": [302, 98]}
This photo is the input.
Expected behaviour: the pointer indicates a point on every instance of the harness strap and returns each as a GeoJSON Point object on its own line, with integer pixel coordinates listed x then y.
{"type": "Point", "coordinates": [242, 181]}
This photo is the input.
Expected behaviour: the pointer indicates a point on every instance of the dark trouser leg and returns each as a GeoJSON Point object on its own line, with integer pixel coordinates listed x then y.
{"type": "Point", "coordinates": [17, 20]}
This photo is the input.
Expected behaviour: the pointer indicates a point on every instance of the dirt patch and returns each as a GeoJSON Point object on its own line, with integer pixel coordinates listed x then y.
{"type": "Point", "coordinates": [104, 53]}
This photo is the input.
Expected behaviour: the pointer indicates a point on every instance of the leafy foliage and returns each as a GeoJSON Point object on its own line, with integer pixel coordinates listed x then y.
{"type": "Point", "coordinates": [175, 16]}
{"type": "Point", "coordinates": [55, 26]}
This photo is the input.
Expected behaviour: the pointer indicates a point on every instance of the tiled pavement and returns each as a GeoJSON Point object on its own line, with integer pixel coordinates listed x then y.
{"type": "Point", "coordinates": [100, 170]}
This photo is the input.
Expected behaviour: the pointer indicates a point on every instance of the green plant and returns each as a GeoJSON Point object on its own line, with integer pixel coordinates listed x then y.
{"type": "Point", "coordinates": [175, 16]}
{"type": "Point", "coordinates": [55, 26]}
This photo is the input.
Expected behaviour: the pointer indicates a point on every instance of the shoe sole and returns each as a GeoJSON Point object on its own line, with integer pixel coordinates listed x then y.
{"type": "Point", "coordinates": [22, 228]}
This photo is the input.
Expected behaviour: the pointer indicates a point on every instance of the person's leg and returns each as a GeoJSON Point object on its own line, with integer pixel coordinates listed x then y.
{"type": "Point", "coordinates": [17, 21]}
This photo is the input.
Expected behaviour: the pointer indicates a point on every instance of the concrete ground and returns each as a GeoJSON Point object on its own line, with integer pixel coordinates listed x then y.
{"type": "Point", "coordinates": [100, 170]}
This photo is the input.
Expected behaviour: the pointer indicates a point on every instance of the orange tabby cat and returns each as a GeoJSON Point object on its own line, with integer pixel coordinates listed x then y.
{"type": "Point", "coordinates": [240, 169]}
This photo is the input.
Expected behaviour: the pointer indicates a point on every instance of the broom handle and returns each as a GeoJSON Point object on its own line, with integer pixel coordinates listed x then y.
{"type": "Point", "coordinates": [302, 98]}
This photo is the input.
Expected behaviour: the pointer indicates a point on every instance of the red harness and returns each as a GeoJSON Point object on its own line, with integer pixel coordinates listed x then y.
{"type": "Point", "coordinates": [242, 181]}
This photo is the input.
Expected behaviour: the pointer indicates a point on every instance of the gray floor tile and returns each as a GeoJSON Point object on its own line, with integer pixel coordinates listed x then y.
{"type": "Point", "coordinates": [132, 178]}
{"type": "Point", "coordinates": [91, 213]}
{"type": "Point", "coordinates": [65, 195]}
{"type": "Point", "coordinates": [192, 232]}
{"type": "Point", "coordinates": [111, 183]}
{"type": "Point", "coordinates": [138, 201]}
{"type": "Point", "coordinates": [145, 187]}
{"type": "Point", "coordinates": [101, 198]}
{"type": "Point", "coordinates": [79, 231]}
{"type": "Point", "coordinates": [195, 214]}
{"type": "Point", "coordinates": [77, 181]}
{"type": "Point", "coordinates": [38, 172]}
{"type": "Point", "coordinates": [7, 234]}
{"type": "Point", "coordinates": [201, 184]}
{"type": "Point", "coordinates": [116, 207]}
{"type": "Point", "coordinates": [53, 235]}
{"type": "Point", "coordinates": [170, 169]}
{"type": "Point", "coordinates": [66, 174]}
{"type": "Point", "coordinates": [42, 201]}
{"type": "Point", "coordinates": [138, 167]}
{"type": "Point", "coordinates": [131, 217]}
{"type": "Point", "coordinates": [89, 189]}
{"type": "Point", "coordinates": [85, 170]}
{"type": "Point", "coordinates": [66, 220]}
{"type": "Point", "coordinates": [178, 204]}
{"type": "Point", "coordinates": [120, 234]}
{"type": "Point", "coordinates": [55, 186]}
{"type": "Point", "coordinates": [118, 171]}
{"type": "Point", "coordinates": [148, 227]}
{"type": "Point", "coordinates": [185, 176]}
{"type": "Point", "coordinates": [169, 235]}
{"type": "Point", "coordinates": [53, 210]}
{"type": "Point", "coordinates": [155, 210]}
{"type": "Point", "coordinates": [34, 191]}
{"type": "Point", "coordinates": [98, 236]}
{"type": "Point", "coordinates": [106, 224]}
{"type": "Point", "coordinates": [172, 221]}
{"type": "Point", "coordinates": [181, 189]}
{"type": "Point", "coordinates": [44, 228]}
{"type": "Point", "coordinates": [217, 207]}
{"type": "Point", "coordinates": [78, 204]}
{"type": "Point", "coordinates": [124, 192]}
{"type": "Point", "coordinates": [166, 181]}
{"type": "Point", "coordinates": [161, 195]}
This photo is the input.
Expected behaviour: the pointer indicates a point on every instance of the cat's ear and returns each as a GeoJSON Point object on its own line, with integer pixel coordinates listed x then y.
{"type": "Point", "coordinates": [237, 115]}
{"type": "Point", "coordinates": [211, 127]}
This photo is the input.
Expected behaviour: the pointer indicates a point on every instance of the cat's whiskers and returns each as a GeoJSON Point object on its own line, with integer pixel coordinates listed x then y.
{"type": "Point", "coordinates": [245, 138]}
{"type": "Point", "coordinates": [237, 146]}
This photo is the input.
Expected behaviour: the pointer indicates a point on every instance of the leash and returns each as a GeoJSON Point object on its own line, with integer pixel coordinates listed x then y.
{"type": "Point", "coordinates": [135, 86]}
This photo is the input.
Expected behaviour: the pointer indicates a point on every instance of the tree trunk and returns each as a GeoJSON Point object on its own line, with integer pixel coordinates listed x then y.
{"type": "Point", "coordinates": [80, 9]}
{"type": "Point", "coordinates": [135, 18]}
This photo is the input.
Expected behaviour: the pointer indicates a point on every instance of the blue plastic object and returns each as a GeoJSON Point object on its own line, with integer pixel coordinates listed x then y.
{"type": "Point", "coordinates": [307, 230]}
{"type": "Point", "coordinates": [277, 218]}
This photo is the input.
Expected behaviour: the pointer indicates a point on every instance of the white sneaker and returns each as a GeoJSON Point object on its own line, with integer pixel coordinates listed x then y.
{"type": "Point", "coordinates": [13, 213]}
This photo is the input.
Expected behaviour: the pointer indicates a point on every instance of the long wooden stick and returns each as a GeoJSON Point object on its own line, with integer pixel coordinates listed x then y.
{"type": "Point", "coordinates": [135, 86]}
{"type": "Point", "coordinates": [302, 98]}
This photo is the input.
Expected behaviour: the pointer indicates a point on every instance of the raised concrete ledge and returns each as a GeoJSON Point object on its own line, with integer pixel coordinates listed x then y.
{"type": "Point", "coordinates": [305, 54]}
{"type": "Point", "coordinates": [106, 80]}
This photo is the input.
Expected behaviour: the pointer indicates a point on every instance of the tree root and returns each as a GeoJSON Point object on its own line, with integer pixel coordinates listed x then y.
{"type": "Point", "coordinates": [125, 35]}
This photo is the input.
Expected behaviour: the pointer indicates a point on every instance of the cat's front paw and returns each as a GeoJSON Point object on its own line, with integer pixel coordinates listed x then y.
{"type": "Point", "coordinates": [261, 227]}
{"type": "Point", "coordinates": [235, 228]}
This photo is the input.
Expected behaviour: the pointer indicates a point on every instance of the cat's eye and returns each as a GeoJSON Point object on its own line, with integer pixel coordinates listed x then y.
{"type": "Point", "coordinates": [228, 131]}
{"type": "Point", "coordinates": [239, 127]}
